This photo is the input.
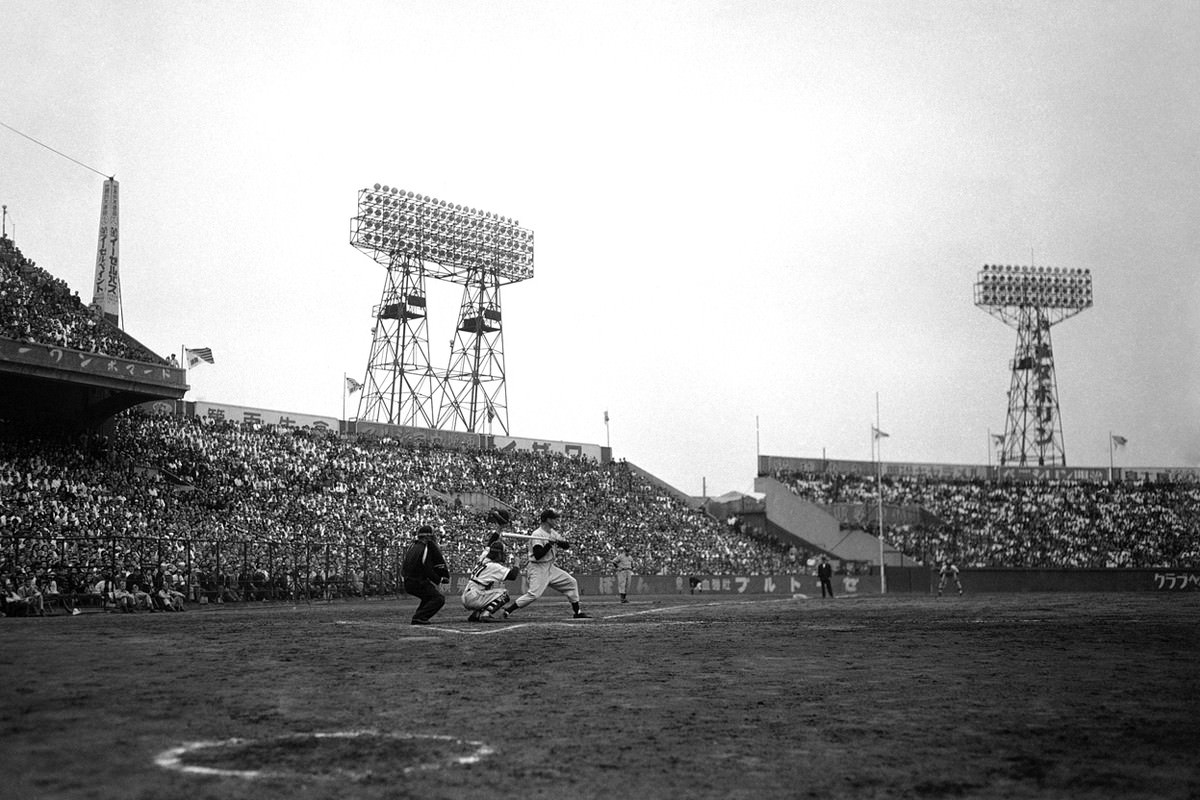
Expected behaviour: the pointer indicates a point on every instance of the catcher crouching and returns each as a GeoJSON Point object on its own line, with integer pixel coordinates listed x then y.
{"type": "Point", "coordinates": [484, 593]}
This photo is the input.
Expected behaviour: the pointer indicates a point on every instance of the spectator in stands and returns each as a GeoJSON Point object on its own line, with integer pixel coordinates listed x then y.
{"type": "Point", "coordinates": [52, 595]}
{"type": "Point", "coordinates": [14, 603]}
{"type": "Point", "coordinates": [35, 603]}
{"type": "Point", "coordinates": [112, 592]}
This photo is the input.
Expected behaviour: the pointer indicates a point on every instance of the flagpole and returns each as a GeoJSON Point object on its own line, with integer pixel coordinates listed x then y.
{"type": "Point", "coordinates": [1110, 457]}
{"type": "Point", "coordinates": [879, 489]}
{"type": "Point", "coordinates": [345, 386]}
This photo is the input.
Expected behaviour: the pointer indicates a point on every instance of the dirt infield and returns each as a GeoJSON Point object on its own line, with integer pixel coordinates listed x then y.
{"type": "Point", "coordinates": [699, 697]}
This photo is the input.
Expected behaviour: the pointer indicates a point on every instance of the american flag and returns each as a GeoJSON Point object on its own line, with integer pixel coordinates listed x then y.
{"type": "Point", "coordinates": [352, 385]}
{"type": "Point", "coordinates": [197, 354]}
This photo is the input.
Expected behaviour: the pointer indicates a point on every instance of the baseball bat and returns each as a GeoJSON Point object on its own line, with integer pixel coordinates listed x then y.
{"type": "Point", "coordinates": [518, 536]}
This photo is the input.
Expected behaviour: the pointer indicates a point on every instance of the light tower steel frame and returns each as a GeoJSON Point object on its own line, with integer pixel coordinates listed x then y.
{"type": "Point", "coordinates": [473, 389]}
{"type": "Point", "coordinates": [1032, 300]}
{"type": "Point", "coordinates": [417, 237]}
{"type": "Point", "coordinates": [399, 385]}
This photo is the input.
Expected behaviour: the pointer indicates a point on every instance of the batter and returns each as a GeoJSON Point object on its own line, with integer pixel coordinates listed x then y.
{"type": "Point", "coordinates": [542, 572]}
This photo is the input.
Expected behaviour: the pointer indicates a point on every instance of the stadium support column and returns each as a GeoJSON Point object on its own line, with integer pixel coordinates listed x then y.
{"type": "Point", "coordinates": [398, 388]}
{"type": "Point", "coordinates": [473, 391]}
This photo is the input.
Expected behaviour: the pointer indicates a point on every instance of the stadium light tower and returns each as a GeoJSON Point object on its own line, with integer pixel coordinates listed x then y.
{"type": "Point", "coordinates": [414, 237]}
{"type": "Point", "coordinates": [1032, 299]}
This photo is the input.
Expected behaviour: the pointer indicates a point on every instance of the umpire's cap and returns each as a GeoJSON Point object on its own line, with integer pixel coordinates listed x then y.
{"type": "Point", "coordinates": [548, 514]}
{"type": "Point", "coordinates": [499, 516]}
{"type": "Point", "coordinates": [424, 530]}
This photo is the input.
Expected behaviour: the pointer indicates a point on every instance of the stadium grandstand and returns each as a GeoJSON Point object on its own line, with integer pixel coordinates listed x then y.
{"type": "Point", "coordinates": [106, 474]}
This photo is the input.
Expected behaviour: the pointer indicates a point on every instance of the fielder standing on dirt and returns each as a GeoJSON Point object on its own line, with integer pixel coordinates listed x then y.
{"type": "Point", "coordinates": [541, 571]}
{"type": "Point", "coordinates": [623, 565]}
{"type": "Point", "coordinates": [423, 570]}
{"type": "Point", "coordinates": [949, 571]}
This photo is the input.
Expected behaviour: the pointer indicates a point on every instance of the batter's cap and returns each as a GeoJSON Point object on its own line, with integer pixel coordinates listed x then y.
{"type": "Point", "coordinates": [549, 513]}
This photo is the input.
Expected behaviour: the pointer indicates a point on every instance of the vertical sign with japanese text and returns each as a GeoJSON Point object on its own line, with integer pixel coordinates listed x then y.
{"type": "Point", "coordinates": [107, 295]}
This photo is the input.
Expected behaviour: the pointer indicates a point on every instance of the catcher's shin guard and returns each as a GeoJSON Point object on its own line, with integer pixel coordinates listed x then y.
{"type": "Point", "coordinates": [495, 605]}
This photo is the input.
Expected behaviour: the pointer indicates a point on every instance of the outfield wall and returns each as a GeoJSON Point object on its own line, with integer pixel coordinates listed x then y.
{"type": "Point", "coordinates": [900, 581]}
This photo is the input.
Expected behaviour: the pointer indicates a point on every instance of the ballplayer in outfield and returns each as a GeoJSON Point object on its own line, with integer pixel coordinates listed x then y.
{"type": "Point", "coordinates": [484, 595]}
{"type": "Point", "coordinates": [949, 571]}
{"type": "Point", "coordinates": [542, 573]}
{"type": "Point", "coordinates": [623, 565]}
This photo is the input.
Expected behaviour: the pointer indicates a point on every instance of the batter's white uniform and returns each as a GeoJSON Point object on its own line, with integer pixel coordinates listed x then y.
{"type": "Point", "coordinates": [486, 584]}
{"type": "Point", "coordinates": [542, 572]}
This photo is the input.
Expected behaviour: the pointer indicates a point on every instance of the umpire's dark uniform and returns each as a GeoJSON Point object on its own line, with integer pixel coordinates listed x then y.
{"type": "Point", "coordinates": [825, 574]}
{"type": "Point", "coordinates": [423, 569]}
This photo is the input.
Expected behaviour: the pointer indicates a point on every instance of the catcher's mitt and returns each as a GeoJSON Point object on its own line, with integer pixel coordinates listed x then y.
{"type": "Point", "coordinates": [499, 516]}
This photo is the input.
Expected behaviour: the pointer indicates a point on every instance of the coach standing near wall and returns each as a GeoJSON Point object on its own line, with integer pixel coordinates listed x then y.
{"type": "Point", "coordinates": [623, 565]}
{"type": "Point", "coordinates": [423, 569]}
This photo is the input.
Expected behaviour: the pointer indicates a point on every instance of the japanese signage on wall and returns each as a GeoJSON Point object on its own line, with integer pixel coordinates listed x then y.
{"type": "Point", "coordinates": [220, 412]}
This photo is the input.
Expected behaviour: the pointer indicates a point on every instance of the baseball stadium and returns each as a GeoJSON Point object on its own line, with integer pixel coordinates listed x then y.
{"type": "Point", "coordinates": [1059, 660]}
{"type": "Point", "coordinates": [435, 594]}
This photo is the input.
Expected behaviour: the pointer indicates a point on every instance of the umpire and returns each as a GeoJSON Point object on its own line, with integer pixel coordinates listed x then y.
{"type": "Point", "coordinates": [423, 568]}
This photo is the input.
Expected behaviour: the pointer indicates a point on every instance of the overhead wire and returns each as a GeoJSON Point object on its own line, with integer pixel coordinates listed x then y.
{"type": "Point", "coordinates": [52, 150]}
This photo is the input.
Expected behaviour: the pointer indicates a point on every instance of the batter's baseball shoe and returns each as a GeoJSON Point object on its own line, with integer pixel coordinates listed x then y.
{"type": "Point", "coordinates": [582, 615]}
{"type": "Point", "coordinates": [491, 618]}
{"type": "Point", "coordinates": [420, 622]}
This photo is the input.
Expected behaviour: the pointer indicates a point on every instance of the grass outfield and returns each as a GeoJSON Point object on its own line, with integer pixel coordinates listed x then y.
{"type": "Point", "coordinates": [675, 697]}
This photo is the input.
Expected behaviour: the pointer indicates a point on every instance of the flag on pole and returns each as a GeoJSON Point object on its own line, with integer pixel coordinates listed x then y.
{"type": "Point", "coordinates": [1119, 441]}
{"type": "Point", "coordinates": [352, 385]}
{"type": "Point", "coordinates": [197, 354]}
{"type": "Point", "coordinates": [878, 434]}
{"type": "Point", "coordinates": [998, 438]}
{"type": "Point", "coordinates": [605, 417]}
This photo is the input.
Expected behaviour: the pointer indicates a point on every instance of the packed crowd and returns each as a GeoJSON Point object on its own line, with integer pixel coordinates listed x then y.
{"type": "Point", "coordinates": [1029, 524]}
{"type": "Point", "coordinates": [245, 510]}
{"type": "Point", "coordinates": [37, 307]}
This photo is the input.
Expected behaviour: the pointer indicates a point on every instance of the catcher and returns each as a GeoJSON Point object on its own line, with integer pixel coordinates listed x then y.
{"type": "Point", "coordinates": [484, 593]}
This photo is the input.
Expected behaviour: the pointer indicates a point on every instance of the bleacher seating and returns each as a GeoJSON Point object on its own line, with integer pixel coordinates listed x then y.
{"type": "Point", "coordinates": [174, 490]}
{"type": "Point", "coordinates": [1030, 524]}
{"type": "Point", "coordinates": [37, 307]}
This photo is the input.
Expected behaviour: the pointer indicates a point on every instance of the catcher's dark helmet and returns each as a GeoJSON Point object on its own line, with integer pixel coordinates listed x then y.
{"type": "Point", "coordinates": [496, 552]}
{"type": "Point", "coordinates": [499, 516]}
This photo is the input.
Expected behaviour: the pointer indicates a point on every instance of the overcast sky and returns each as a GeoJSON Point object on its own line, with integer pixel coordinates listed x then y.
{"type": "Point", "coordinates": [761, 211]}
